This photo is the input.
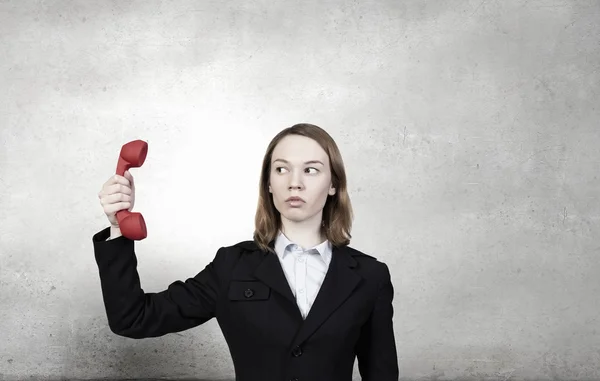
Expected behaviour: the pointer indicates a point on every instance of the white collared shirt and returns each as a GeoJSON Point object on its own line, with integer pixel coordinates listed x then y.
{"type": "Point", "coordinates": [304, 269]}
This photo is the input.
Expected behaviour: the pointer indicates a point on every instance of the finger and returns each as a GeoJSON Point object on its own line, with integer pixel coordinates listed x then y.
{"type": "Point", "coordinates": [117, 188]}
{"type": "Point", "coordinates": [129, 177]}
{"type": "Point", "coordinates": [117, 198]}
{"type": "Point", "coordinates": [112, 185]}
{"type": "Point", "coordinates": [114, 208]}
{"type": "Point", "coordinates": [118, 179]}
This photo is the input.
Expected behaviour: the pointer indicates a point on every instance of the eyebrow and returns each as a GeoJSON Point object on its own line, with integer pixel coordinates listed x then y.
{"type": "Point", "coordinates": [306, 162]}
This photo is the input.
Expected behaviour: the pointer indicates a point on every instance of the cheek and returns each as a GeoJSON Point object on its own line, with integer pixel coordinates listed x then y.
{"type": "Point", "coordinates": [275, 189]}
{"type": "Point", "coordinates": [322, 200]}
{"type": "Point", "coordinates": [276, 193]}
{"type": "Point", "coordinates": [316, 201]}
{"type": "Point", "coordinates": [273, 185]}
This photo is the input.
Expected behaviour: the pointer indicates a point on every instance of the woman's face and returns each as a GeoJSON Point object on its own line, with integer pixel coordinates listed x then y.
{"type": "Point", "coordinates": [300, 168]}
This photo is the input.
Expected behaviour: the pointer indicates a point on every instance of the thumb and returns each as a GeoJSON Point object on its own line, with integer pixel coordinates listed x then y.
{"type": "Point", "coordinates": [128, 176]}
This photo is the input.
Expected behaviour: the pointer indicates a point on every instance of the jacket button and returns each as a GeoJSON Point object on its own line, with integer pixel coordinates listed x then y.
{"type": "Point", "coordinates": [297, 352]}
{"type": "Point", "coordinates": [294, 379]}
{"type": "Point", "coordinates": [248, 293]}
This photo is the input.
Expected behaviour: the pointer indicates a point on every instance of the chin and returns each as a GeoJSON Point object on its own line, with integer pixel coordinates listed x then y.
{"type": "Point", "coordinates": [294, 217]}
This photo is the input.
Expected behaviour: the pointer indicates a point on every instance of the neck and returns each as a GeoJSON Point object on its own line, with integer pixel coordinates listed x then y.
{"type": "Point", "coordinates": [303, 236]}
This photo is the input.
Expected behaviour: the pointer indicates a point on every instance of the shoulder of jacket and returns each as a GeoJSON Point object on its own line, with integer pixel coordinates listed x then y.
{"type": "Point", "coordinates": [227, 256]}
{"type": "Point", "coordinates": [241, 247]}
{"type": "Point", "coordinates": [370, 263]}
{"type": "Point", "coordinates": [359, 255]}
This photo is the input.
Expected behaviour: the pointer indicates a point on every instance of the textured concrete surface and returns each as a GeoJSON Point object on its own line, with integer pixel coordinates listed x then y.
{"type": "Point", "coordinates": [469, 130]}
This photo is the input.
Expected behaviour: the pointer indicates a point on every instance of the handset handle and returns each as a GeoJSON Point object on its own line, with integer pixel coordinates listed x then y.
{"type": "Point", "coordinates": [133, 155]}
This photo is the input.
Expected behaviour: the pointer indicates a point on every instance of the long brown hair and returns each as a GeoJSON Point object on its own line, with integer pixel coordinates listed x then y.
{"type": "Point", "coordinates": [337, 212]}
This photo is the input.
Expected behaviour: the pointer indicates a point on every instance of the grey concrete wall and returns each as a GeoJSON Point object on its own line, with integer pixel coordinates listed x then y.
{"type": "Point", "coordinates": [469, 131]}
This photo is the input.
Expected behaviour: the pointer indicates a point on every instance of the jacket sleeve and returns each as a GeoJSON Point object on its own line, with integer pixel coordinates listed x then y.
{"type": "Point", "coordinates": [135, 314]}
{"type": "Point", "coordinates": [376, 347]}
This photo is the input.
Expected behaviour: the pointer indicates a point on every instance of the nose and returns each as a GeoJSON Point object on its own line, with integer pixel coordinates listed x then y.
{"type": "Point", "coordinates": [295, 182]}
{"type": "Point", "coordinates": [294, 186]}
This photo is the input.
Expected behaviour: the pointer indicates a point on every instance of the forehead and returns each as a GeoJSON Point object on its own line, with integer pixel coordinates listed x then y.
{"type": "Point", "coordinates": [300, 148]}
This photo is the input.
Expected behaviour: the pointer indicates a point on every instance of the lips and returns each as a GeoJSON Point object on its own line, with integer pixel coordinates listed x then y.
{"type": "Point", "coordinates": [294, 199]}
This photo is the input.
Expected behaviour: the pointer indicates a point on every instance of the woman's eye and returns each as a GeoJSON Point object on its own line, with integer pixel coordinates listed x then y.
{"type": "Point", "coordinates": [278, 168]}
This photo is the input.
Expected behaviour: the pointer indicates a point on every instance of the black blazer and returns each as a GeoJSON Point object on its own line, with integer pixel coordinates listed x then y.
{"type": "Point", "coordinates": [246, 290]}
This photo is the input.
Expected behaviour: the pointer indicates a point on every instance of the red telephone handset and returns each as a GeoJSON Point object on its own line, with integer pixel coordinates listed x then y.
{"type": "Point", "coordinates": [133, 155]}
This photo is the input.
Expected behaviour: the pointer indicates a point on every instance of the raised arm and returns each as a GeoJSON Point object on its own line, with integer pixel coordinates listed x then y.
{"type": "Point", "coordinates": [135, 314]}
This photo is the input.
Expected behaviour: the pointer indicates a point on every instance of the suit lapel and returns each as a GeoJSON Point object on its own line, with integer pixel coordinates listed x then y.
{"type": "Point", "coordinates": [270, 272]}
{"type": "Point", "coordinates": [337, 286]}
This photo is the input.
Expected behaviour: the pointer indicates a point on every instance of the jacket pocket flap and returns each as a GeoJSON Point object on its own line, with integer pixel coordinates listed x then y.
{"type": "Point", "coordinates": [248, 290]}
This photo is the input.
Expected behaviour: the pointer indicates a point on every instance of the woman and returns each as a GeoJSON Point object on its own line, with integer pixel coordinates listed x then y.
{"type": "Point", "coordinates": [296, 303]}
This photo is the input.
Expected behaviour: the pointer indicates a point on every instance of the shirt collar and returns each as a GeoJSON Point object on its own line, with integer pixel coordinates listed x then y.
{"type": "Point", "coordinates": [283, 246]}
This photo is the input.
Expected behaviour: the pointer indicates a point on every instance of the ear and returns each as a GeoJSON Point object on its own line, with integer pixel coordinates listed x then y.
{"type": "Point", "coordinates": [331, 191]}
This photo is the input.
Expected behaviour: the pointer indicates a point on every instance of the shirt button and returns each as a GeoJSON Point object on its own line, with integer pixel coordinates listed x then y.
{"type": "Point", "coordinates": [300, 260]}
{"type": "Point", "coordinates": [301, 290]}
{"type": "Point", "coordinates": [297, 352]}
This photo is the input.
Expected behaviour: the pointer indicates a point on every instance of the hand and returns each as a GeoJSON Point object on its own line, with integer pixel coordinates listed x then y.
{"type": "Point", "coordinates": [117, 193]}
